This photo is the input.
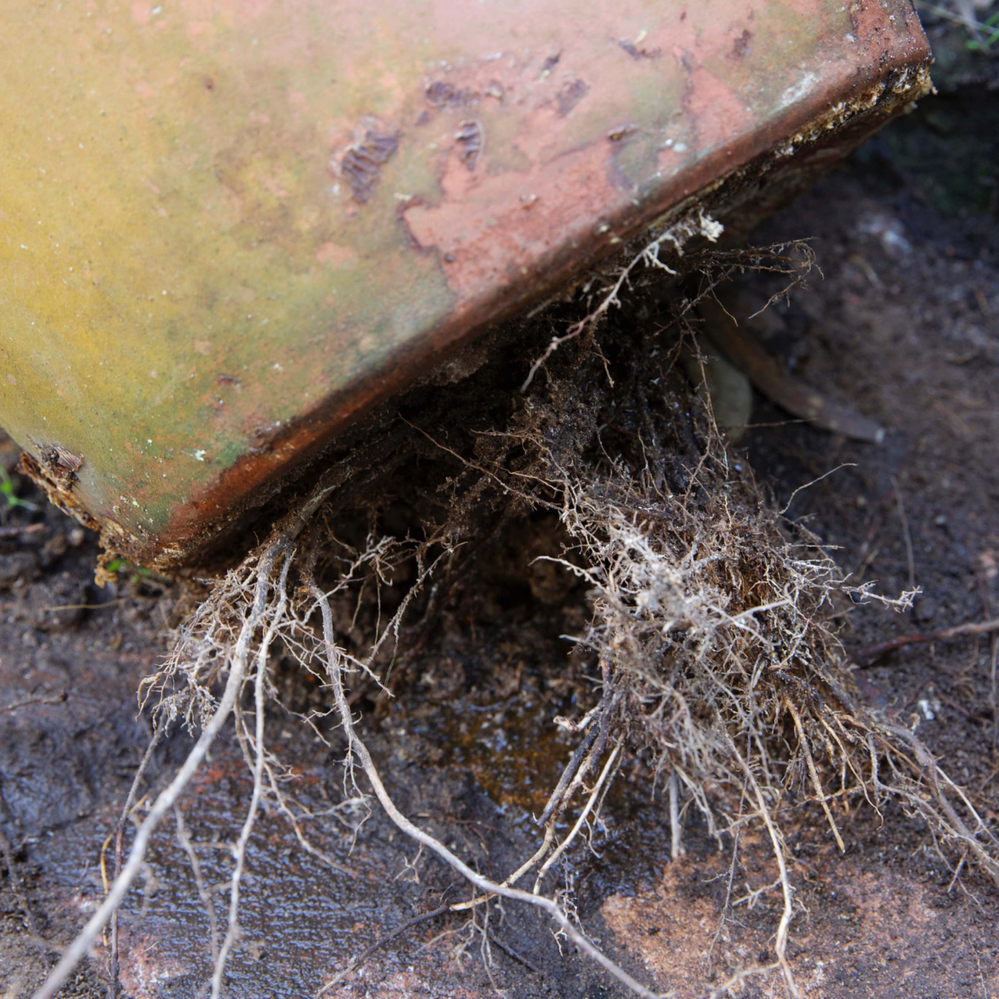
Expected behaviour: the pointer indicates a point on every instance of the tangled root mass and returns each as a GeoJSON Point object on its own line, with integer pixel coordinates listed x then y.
{"type": "Point", "coordinates": [712, 623]}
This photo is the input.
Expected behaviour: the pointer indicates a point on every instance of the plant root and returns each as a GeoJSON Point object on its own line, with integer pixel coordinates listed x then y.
{"type": "Point", "coordinates": [711, 631]}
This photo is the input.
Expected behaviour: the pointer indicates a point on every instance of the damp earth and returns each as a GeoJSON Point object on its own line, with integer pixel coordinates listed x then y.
{"type": "Point", "coordinates": [904, 326]}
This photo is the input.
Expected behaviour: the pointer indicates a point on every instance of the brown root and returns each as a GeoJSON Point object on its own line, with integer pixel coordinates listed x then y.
{"type": "Point", "coordinates": [712, 626]}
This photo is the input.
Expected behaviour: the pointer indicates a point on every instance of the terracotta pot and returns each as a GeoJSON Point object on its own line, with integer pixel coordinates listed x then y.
{"type": "Point", "coordinates": [231, 226]}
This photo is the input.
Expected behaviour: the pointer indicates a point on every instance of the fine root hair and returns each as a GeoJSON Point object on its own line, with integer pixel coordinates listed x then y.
{"type": "Point", "coordinates": [712, 628]}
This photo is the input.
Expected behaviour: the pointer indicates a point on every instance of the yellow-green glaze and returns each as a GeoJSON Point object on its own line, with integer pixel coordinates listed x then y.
{"type": "Point", "coordinates": [189, 286]}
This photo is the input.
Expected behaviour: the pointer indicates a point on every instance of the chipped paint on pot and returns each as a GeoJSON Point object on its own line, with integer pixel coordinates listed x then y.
{"type": "Point", "coordinates": [230, 227]}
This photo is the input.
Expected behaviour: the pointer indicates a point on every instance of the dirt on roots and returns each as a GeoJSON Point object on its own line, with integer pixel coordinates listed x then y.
{"type": "Point", "coordinates": [566, 626]}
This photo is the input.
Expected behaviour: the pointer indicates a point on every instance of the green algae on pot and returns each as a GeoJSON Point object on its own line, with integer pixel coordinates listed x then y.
{"type": "Point", "coordinates": [228, 232]}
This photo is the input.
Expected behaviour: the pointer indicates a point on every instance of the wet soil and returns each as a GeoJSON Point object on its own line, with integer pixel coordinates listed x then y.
{"type": "Point", "coordinates": [904, 325]}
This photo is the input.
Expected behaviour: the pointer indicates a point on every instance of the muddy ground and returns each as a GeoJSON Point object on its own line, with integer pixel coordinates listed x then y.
{"type": "Point", "coordinates": [904, 324]}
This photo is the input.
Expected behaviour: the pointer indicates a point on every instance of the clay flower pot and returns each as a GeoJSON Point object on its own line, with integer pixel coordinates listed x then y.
{"type": "Point", "coordinates": [228, 229]}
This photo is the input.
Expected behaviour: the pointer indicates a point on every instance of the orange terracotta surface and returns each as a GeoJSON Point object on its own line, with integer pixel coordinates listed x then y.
{"type": "Point", "coordinates": [229, 227]}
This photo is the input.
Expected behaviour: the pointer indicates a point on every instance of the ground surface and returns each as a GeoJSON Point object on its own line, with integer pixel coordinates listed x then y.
{"type": "Point", "coordinates": [905, 325]}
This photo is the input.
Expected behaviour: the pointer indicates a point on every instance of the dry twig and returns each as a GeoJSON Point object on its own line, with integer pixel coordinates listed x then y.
{"type": "Point", "coordinates": [871, 653]}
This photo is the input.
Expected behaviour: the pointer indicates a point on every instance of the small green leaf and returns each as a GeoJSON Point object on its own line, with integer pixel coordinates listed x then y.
{"type": "Point", "coordinates": [11, 499]}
